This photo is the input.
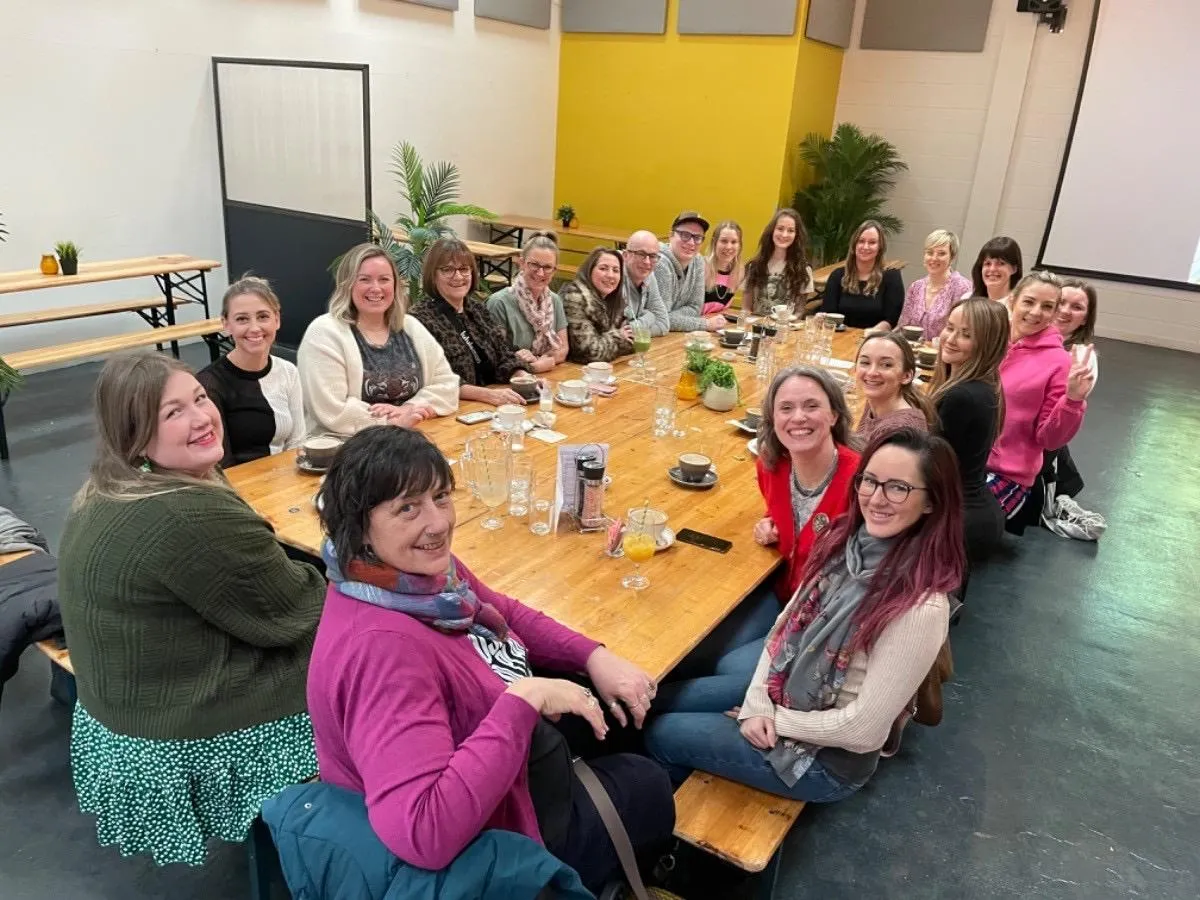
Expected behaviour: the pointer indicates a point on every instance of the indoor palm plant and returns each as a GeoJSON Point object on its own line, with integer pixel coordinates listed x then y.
{"type": "Point", "coordinates": [852, 173]}
{"type": "Point", "coordinates": [431, 192]}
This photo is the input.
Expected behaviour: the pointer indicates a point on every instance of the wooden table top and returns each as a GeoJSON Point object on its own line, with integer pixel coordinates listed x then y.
{"type": "Point", "coordinates": [533, 223]}
{"type": "Point", "coordinates": [113, 270]}
{"type": "Point", "coordinates": [567, 575]}
{"type": "Point", "coordinates": [477, 248]}
{"type": "Point", "coordinates": [821, 275]}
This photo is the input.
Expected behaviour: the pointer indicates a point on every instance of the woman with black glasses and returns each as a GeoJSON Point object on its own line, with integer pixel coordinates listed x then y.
{"type": "Point", "coordinates": [476, 346]}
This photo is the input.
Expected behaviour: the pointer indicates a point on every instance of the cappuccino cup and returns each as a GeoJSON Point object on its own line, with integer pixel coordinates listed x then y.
{"type": "Point", "coordinates": [510, 416]}
{"type": "Point", "coordinates": [526, 386]}
{"type": "Point", "coordinates": [597, 372]}
{"type": "Point", "coordinates": [753, 416]}
{"type": "Point", "coordinates": [694, 466]}
{"type": "Point", "coordinates": [574, 390]}
{"type": "Point", "coordinates": [652, 520]}
{"type": "Point", "coordinates": [912, 333]}
{"type": "Point", "coordinates": [320, 450]}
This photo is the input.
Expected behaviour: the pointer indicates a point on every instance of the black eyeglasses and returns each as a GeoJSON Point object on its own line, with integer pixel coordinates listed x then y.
{"type": "Point", "coordinates": [688, 237]}
{"type": "Point", "coordinates": [451, 271]}
{"type": "Point", "coordinates": [646, 255]}
{"type": "Point", "coordinates": [894, 490]}
{"type": "Point", "coordinates": [542, 268]}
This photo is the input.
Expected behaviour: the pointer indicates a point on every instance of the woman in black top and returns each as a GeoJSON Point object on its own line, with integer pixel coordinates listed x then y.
{"type": "Point", "coordinates": [870, 296]}
{"type": "Point", "coordinates": [258, 395]}
{"type": "Point", "coordinates": [970, 405]}
{"type": "Point", "coordinates": [476, 345]}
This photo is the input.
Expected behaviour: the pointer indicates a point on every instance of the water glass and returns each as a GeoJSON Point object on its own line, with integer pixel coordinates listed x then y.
{"type": "Point", "coordinates": [765, 361]}
{"type": "Point", "coordinates": [519, 483]}
{"type": "Point", "coordinates": [541, 506]}
{"type": "Point", "coordinates": [492, 465]}
{"type": "Point", "coordinates": [664, 411]}
{"type": "Point", "coordinates": [466, 469]}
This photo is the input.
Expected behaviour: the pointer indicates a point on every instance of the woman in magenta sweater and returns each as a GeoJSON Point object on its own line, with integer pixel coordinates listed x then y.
{"type": "Point", "coordinates": [1045, 392]}
{"type": "Point", "coordinates": [420, 685]}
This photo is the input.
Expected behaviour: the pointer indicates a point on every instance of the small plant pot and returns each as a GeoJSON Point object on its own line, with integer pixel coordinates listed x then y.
{"type": "Point", "coordinates": [720, 399]}
{"type": "Point", "coordinates": [566, 223]}
{"type": "Point", "coordinates": [69, 266]}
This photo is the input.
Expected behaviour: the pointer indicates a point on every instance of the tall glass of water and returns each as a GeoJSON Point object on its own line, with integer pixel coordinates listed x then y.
{"type": "Point", "coordinates": [492, 465]}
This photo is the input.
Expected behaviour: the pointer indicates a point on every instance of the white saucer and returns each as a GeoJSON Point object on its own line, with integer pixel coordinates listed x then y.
{"type": "Point", "coordinates": [752, 445]}
{"type": "Point", "coordinates": [574, 404]}
{"type": "Point", "coordinates": [740, 425]}
{"type": "Point", "coordinates": [526, 426]}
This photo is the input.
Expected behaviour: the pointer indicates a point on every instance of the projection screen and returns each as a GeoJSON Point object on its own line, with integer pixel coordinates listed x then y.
{"type": "Point", "coordinates": [1128, 201]}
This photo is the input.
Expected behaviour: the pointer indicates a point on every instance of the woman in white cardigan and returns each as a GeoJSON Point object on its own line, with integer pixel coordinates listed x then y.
{"type": "Point", "coordinates": [367, 363]}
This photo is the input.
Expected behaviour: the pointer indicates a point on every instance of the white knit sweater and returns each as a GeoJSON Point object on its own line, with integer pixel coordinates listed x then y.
{"type": "Point", "coordinates": [331, 373]}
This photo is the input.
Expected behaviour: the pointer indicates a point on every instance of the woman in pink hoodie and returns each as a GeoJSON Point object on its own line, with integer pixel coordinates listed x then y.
{"type": "Point", "coordinates": [1045, 391]}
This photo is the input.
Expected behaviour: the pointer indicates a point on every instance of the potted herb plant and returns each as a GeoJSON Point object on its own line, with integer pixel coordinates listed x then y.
{"type": "Point", "coordinates": [565, 214]}
{"type": "Point", "coordinates": [68, 257]}
{"type": "Point", "coordinates": [718, 386]}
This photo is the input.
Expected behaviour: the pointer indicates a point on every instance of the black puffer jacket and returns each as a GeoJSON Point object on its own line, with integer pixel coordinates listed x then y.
{"type": "Point", "coordinates": [28, 607]}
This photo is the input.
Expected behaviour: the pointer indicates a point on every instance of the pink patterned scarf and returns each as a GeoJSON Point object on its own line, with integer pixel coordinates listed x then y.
{"type": "Point", "coordinates": [539, 313]}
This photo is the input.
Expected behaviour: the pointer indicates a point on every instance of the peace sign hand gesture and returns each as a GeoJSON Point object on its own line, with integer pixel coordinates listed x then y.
{"type": "Point", "coordinates": [1081, 378]}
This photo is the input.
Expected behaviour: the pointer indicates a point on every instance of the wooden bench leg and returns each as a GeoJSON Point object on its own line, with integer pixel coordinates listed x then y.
{"type": "Point", "coordinates": [62, 686]}
{"type": "Point", "coordinates": [263, 859]}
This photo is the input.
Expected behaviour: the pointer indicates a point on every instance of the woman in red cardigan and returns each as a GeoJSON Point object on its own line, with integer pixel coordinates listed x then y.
{"type": "Point", "coordinates": [804, 472]}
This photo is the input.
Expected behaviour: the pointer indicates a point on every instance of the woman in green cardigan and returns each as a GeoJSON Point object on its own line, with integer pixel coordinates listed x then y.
{"type": "Point", "coordinates": [190, 630]}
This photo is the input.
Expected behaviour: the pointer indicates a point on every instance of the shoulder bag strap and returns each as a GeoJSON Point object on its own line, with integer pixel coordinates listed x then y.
{"type": "Point", "coordinates": [614, 826]}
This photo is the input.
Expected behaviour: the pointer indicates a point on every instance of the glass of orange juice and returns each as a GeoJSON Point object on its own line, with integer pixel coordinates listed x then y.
{"type": "Point", "coordinates": [638, 544]}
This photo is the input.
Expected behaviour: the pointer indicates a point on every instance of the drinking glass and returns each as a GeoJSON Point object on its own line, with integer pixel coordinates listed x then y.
{"type": "Point", "coordinates": [541, 506]}
{"type": "Point", "coordinates": [638, 544]}
{"type": "Point", "coordinates": [641, 345]}
{"type": "Point", "coordinates": [664, 411]}
{"type": "Point", "coordinates": [765, 361]}
{"type": "Point", "coordinates": [466, 467]}
{"type": "Point", "coordinates": [520, 479]}
{"type": "Point", "coordinates": [492, 464]}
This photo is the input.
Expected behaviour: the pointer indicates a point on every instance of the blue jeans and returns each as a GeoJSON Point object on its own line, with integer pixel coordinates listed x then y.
{"type": "Point", "coordinates": [693, 732]}
{"type": "Point", "coordinates": [748, 623]}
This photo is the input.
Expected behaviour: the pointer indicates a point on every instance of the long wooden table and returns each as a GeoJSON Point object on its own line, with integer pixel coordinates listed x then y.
{"type": "Point", "coordinates": [567, 575]}
{"type": "Point", "coordinates": [512, 227]}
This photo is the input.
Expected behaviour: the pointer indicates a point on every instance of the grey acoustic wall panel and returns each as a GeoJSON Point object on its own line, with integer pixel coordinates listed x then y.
{"type": "Point", "coordinates": [437, 4]}
{"type": "Point", "coordinates": [955, 25]}
{"type": "Point", "coordinates": [534, 13]}
{"type": "Point", "coordinates": [615, 16]}
{"type": "Point", "coordinates": [729, 17]}
{"type": "Point", "coordinates": [830, 22]}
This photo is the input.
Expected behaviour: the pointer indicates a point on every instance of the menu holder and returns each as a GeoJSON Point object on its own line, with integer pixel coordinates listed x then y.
{"type": "Point", "coordinates": [566, 481]}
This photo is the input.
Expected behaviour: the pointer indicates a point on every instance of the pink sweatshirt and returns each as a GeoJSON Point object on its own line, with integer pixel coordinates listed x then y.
{"type": "Point", "coordinates": [416, 721]}
{"type": "Point", "coordinates": [1038, 415]}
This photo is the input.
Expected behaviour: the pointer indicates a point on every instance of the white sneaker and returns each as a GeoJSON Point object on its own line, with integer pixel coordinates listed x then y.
{"type": "Point", "coordinates": [1071, 520]}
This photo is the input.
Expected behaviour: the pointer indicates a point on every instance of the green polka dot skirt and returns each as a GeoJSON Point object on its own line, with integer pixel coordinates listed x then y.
{"type": "Point", "coordinates": [167, 798]}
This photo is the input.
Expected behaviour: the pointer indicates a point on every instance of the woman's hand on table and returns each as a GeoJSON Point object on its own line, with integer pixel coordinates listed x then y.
{"type": "Point", "coordinates": [553, 697]}
{"type": "Point", "coordinates": [765, 532]}
{"type": "Point", "coordinates": [759, 731]}
{"type": "Point", "coordinates": [500, 396]}
{"type": "Point", "coordinates": [405, 416]}
{"type": "Point", "coordinates": [715, 323]}
{"type": "Point", "coordinates": [543, 364]}
{"type": "Point", "coordinates": [621, 682]}
{"type": "Point", "coordinates": [525, 356]}
{"type": "Point", "coordinates": [627, 332]}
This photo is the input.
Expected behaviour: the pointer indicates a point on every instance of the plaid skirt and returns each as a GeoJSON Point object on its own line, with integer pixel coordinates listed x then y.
{"type": "Point", "coordinates": [1010, 495]}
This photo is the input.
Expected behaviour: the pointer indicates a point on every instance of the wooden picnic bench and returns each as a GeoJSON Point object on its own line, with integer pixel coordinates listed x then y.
{"type": "Point", "coordinates": [821, 275]}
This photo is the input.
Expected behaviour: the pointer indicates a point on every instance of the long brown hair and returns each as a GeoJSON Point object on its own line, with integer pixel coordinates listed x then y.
{"type": "Point", "coordinates": [127, 398]}
{"type": "Point", "coordinates": [908, 392]}
{"type": "Point", "coordinates": [988, 323]}
{"type": "Point", "coordinates": [614, 303]}
{"type": "Point", "coordinates": [795, 264]}
{"type": "Point", "coordinates": [850, 278]}
{"type": "Point", "coordinates": [1085, 332]}
{"type": "Point", "coordinates": [769, 446]}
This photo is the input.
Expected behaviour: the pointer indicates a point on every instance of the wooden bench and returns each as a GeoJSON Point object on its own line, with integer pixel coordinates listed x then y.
{"type": "Point", "coordinates": [22, 360]}
{"type": "Point", "coordinates": [149, 308]}
{"type": "Point", "coordinates": [741, 825]}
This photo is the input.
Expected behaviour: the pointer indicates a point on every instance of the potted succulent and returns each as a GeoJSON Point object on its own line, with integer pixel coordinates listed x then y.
{"type": "Point", "coordinates": [68, 257]}
{"type": "Point", "coordinates": [718, 386]}
{"type": "Point", "coordinates": [565, 214]}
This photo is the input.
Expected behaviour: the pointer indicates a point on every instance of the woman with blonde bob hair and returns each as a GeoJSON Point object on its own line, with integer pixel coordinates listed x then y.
{"type": "Point", "coordinates": [929, 299]}
{"type": "Point", "coordinates": [862, 290]}
{"type": "Point", "coordinates": [367, 363]}
{"type": "Point", "coordinates": [190, 629]}
{"type": "Point", "coordinates": [969, 400]}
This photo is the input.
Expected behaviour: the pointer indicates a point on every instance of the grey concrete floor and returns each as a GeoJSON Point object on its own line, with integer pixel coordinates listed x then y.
{"type": "Point", "coordinates": [1068, 765]}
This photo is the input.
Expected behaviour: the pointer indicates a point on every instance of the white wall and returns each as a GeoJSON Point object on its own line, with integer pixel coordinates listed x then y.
{"type": "Point", "coordinates": [109, 135]}
{"type": "Point", "coordinates": [983, 134]}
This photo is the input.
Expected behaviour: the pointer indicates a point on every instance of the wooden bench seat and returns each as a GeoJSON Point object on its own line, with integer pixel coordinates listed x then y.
{"type": "Point", "coordinates": [60, 656]}
{"type": "Point", "coordinates": [741, 825]}
{"type": "Point", "coordinates": [62, 313]}
{"type": "Point", "coordinates": [114, 343]}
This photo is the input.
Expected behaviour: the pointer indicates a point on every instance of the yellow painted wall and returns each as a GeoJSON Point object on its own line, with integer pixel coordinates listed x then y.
{"type": "Point", "coordinates": [652, 124]}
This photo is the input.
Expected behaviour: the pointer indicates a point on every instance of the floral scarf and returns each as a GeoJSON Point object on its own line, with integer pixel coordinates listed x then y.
{"type": "Point", "coordinates": [445, 602]}
{"type": "Point", "coordinates": [539, 313]}
{"type": "Point", "coordinates": [810, 651]}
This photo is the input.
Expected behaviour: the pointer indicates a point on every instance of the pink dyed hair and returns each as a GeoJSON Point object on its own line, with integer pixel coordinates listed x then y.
{"type": "Point", "coordinates": [928, 557]}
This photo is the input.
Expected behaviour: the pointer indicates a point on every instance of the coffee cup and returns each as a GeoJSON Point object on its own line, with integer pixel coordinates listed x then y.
{"type": "Point", "coordinates": [526, 386]}
{"type": "Point", "coordinates": [319, 450]}
{"type": "Point", "coordinates": [694, 466]}
{"type": "Point", "coordinates": [753, 416]}
{"type": "Point", "coordinates": [653, 521]}
{"type": "Point", "coordinates": [510, 416]}
{"type": "Point", "coordinates": [837, 318]}
{"type": "Point", "coordinates": [927, 357]}
{"type": "Point", "coordinates": [597, 372]}
{"type": "Point", "coordinates": [781, 310]}
{"type": "Point", "coordinates": [912, 333]}
{"type": "Point", "coordinates": [731, 337]}
{"type": "Point", "coordinates": [573, 390]}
